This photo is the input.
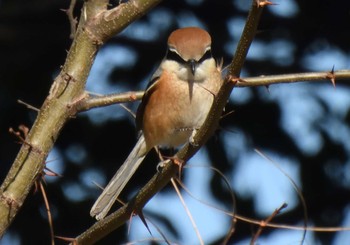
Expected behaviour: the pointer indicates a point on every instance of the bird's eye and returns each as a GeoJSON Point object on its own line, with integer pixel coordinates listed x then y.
{"type": "Point", "coordinates": [206, 55]}
{"type": "Point", "coordinates": [172, 55]}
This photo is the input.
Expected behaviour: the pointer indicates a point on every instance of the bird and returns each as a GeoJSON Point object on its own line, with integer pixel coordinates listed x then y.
{"type": "Point", "coordinates": [174, 106]}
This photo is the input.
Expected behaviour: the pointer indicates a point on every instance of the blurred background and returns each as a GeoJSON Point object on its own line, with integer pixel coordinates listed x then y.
{"type": "Point", "coordinates": [302, 127]}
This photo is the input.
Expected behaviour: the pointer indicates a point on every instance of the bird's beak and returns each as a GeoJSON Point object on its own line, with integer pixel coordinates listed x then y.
{"type": "Point", "coordinates": [193, 65]}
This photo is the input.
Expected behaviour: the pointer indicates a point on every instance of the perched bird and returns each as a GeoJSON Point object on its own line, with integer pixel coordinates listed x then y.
{"type": "Point", "coordinates": [175, 104]}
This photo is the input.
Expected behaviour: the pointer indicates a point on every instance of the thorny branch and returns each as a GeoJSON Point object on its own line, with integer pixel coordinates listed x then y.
{"type": "Point", "coordinates": [91, 102]}
{"type": "Point", "coordinates": [67, 88]}
{"type": "Point", "coordinates": [101, 228]}
{"type": "Point", "coordinates": [72, 20]}
{"type": "Point", "coordinates": [97, 25]}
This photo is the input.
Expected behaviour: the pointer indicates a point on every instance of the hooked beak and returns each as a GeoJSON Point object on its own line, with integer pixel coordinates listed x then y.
{"type": "Point", "coordinates": [193, 65]}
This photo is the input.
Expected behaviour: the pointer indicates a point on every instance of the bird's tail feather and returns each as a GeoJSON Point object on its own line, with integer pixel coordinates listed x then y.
{"type": "Point", "coordinates": [119, 180]}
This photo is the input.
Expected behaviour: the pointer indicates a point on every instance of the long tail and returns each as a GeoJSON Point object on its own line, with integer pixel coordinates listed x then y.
{"type": "Point", "coordinates": [119, 180]}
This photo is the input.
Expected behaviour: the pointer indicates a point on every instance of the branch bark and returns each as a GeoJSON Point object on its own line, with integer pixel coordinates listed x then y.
{"type": "Point", "coordinates": [66, 90]}
{"type": "Point", "coordinates": [292, 78]}
{"type": "Point", "coordinates": [91, 102]}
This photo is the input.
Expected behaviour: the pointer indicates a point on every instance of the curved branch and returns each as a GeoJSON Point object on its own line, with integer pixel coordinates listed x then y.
{"type": "Point", "coordinates": [111, 22]}
{"type": "Point", "coordinates": [159, 180]}
{"type": "Point", "coordinates": [60, 104]}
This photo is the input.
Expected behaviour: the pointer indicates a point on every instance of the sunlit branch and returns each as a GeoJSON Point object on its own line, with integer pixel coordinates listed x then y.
{"type": "Point", "coordinates": [96, 25]}
{"type": "Point", "coordinates": [292, 78]}
{"type": "Point", "coordinates": [110, 99]}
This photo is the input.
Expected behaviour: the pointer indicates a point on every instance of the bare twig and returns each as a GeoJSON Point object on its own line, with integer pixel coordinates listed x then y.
{"type": "Point", "coordinates": [105, 100]}
{"type": "Point", "coordinates": [230, 189]}
{"type": "Point", "coordinates": [67, 89]}
{"type": "Point", "coordinates": [72, 20]}
{"type": "Point", "coordinates": [290, 227]}
{"type": "Point", "coordinates": [187, 211]}
{"type": "Point", "coordinates": [265, 222]}
{"type": "Point", "coordinates": [43, 192]}
{"type": "Point", "coordinates": [295, 186]}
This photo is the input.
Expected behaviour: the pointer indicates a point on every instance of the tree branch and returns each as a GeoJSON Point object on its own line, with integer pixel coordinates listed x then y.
{"type": "Point", "coordinates": [295, 77]}
{"type": "Point", "coordinates": [91, 102]}
{"type": "Point", "coordinates": [112, 21]}
{"type": "Point", "coordinates": [110, 99]}
{"type": "Point", "coordinates": [72, 20]}
{"type": "Point", "coordinates": [59, 106]}
{"type": "Point", "coordinates": [102, 228]}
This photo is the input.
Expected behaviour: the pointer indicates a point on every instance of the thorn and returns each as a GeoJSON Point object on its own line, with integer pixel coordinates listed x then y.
{"type": "Point", "coordinates": [98, 185]}
{"type": "Point", "coordinates": [263, 3]}
{"type": "Point", "coordinates": [227, 114]}
{"type": "Point", "coordinates": [140, 214]}
{"type": "Point", "coordinates": [52, 173]}
{"type": "Point", "coordinates": [142, 217]}
{"type": "Point", "coordinates": [130, 220]}
{"type": "Point", "coordinates": [64, 10]}
{"type": "Point", "coordinates": [331, 76]}
{"type": "Point", "coordinates": [28, 105]}
{"type": "Point", "coordinates": [67, 239]}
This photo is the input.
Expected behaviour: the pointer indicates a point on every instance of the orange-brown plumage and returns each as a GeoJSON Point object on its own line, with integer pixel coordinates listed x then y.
{"type": "Point", "coordinates": [174, 106]}
{"type": "Point", "coordinates": [185, 41]}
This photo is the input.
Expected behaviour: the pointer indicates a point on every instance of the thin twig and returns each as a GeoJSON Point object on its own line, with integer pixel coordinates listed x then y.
{"type": "Point", "coordinates": [72, 20]}
{"type": "Point", "coordinates": [295, 186]}
{"type": "Point", "coordinates": [263, 224]}
{"type": "Point", "coordinates": [187, 211]}
{"type": "Point", "coordinates": [230, 189]}
{"type": "Point", "coordinates": [42, 189]}
{"type": "Point", "coordinates": [290, 227]}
